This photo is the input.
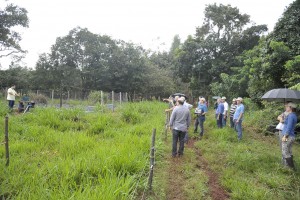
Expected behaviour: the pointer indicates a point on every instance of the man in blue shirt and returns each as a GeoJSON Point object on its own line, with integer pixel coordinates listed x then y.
{"type": "Point", "coordinates": [238, 117]}
{"type": "Point", "coordinates": [201, 111]}
{"type": "Point", "coordinates": [219, 113]}
{"type": "Point", "coordinates": [288, 133]}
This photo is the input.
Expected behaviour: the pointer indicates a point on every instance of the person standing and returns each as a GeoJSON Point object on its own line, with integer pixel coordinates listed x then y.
{"type": "Point", "coordinates": [238, 117]}
{"type": "Point", "coordinates": [224, 119]}
{"type": "Point", "coordinates": [202, 108]}
{"type": "Point", "coordinates": [179, 122]}
{"type": "Point", "coordinates": [288, 133]}
{"type": "Point", "coordinates": [231, 112]}
{"type": "Point", "coordinates": [219, 113]}
{"type": "Point", "coordinates": [197, 113]}
{"type": "Point", "coordinates": [11, 96]}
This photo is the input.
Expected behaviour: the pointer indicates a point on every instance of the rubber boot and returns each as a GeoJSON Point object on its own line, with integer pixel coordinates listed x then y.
{"type": "Point", "coordinates": [290, 162]}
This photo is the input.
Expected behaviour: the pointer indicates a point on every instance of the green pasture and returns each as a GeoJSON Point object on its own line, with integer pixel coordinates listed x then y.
{"type": "Point", "coordinates": [70, 154]}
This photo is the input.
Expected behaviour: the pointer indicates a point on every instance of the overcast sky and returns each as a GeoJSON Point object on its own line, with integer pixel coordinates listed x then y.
{"type": "Point", "coordinates": [151, 23]}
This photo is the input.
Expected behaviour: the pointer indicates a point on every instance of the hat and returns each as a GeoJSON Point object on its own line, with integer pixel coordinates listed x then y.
{"type": "Point", "coordinates": [234, 99]}
{"type": "Point", "coordinates": [292, 105]}
{"type": "Point", "coordinates": [224, 98]}
{"type": "Point", "coordinates": [239, 99]}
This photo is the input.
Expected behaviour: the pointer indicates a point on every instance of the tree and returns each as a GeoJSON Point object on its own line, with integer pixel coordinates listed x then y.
{"type": "Point", "coordinates": [11, 16]}
{"type": "Point", "coordinates": [287, 28]}
{"type": "Point", "coordinates": [216, 46]}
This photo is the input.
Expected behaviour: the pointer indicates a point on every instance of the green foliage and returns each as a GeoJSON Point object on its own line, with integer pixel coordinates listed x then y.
{"type": "Point", "coordinates": [214, 49]}
{"type": "Point", "coordinates": [251, 168]}
{"type": "Point", "coordinates": [288, 27]}
{"type": "Point", "coordinates": [73, 154]}
{"type": "Point", "coordinates": [292, 73]}
{"type": "Point", "coordinates": [10, 17]}
{"type": "Point", "coordinates": [38, 98]}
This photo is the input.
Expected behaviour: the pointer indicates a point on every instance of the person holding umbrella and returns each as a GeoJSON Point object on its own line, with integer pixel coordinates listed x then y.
{"type": "Point", "coordinates": [288, 133]}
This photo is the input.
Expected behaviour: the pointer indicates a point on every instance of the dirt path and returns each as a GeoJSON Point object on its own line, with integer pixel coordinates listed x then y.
{"type": "Point", "coordinates": [175, 179]}
{"type": "Point", "coordinates": [217, 192]}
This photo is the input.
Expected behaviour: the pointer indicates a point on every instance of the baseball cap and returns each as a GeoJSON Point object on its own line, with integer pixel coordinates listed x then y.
{"type": "Point", "coordinates": [292, 105]}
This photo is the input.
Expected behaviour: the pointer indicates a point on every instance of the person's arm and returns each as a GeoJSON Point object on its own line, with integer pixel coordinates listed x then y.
{"type": "Point", "coordinates": [173, 115]}
{"type": "Point", "coordinates": [205, 110]}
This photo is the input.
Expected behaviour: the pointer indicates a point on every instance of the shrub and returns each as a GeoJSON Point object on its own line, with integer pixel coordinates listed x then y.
{"type": "Point", "coordinates": [38, 98]}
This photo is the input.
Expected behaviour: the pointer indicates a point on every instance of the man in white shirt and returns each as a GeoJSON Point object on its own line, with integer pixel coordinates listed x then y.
{"type": "Point", "coordinates": [11, 96]}
{"type": "Point", "coordinates": [225, 111]}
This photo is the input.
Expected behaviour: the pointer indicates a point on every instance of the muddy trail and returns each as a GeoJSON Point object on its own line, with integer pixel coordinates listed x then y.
{"type": "Point", "coordinates": [217, 192]}
{"type": "Point", "coordinates": [176, 178]}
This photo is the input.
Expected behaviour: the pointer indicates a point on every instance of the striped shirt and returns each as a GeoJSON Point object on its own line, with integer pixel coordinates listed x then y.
{"type": "Point", "coordinates": [232, 109]}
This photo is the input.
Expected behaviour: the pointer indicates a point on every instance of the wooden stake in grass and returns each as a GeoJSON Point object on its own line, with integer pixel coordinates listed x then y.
{"type": "Point", "coordinates": [152, 159]}
{"type": "Point", "coordinates": [6, 141]}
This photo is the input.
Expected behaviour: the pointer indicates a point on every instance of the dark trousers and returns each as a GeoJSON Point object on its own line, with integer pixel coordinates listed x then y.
{"type": "Point", "coordinates": [231, 122]}
{"type": "Point", "coordinates": [199, 121]}
{"type": "Point", "coordinates": [220, 121]}
{"type": "Point", "coordinates": [178, 136]}
{"type": "Point", "coordinates": [11, 104]}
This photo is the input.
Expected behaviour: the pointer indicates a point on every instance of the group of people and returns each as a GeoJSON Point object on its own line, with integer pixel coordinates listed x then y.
{"type": "Point", "coordinates": [11, 98]}
{"type": "Point", "coordinates": [236, 114]}
{"type": "Point", "coordinates": [180, 119]}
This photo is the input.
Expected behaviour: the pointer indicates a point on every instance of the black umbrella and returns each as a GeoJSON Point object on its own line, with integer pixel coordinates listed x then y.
{"type": "Point", "coordinates": [180, 95]}
{"type": "Point", "coordinates": [282, 95]}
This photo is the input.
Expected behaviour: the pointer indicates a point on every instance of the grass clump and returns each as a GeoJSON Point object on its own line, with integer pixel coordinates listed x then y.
{"type": "Point", "coordinates": [71, 154]}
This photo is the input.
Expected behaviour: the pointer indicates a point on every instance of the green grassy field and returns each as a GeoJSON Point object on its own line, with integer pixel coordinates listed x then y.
{"type": "Point", "coordinates": [70, 154]}
{"type": "Point", "coordinates": [250, 169]}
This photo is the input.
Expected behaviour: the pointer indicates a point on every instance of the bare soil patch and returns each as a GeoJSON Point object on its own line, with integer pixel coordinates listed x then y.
{"type": "Point", "coordinates": [217, 192]}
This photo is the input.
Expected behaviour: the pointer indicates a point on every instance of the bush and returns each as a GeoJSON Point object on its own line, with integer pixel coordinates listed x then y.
{"type": "Point", "coordinates": [38, 98]}
{"type": "Point", "coordinates": [95, 97]}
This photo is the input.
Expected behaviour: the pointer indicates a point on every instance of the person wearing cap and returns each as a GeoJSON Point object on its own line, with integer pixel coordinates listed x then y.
{"type": "Point", "coordinates": [238, 117]}
{"type": "Point", "coordinates": [288, 133]}
{"type": "Point", "coordinates": [202, 110]}
{"type": "Point", "coordinates": [196, 112]}
{"type": "Point", "coordinates": [219, 113]}
{"type": "Point", "coordinates": [11, 96]}
{"type": "Point", "coordinates": [224, 118]}
{"type": "Point", "coordinates": [231, 112]}
{"type": "Point", "coordinates": [179, 122]}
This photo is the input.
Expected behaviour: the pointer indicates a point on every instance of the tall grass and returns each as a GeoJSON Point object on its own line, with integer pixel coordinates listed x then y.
{"type": "Point", "coordinates": [70, 154]}
{"type": "Point", "coordinates": [250, 169]}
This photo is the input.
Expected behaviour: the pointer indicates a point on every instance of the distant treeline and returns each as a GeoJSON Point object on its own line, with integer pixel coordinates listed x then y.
{"type": "Point", "coordinates": [227, 56]}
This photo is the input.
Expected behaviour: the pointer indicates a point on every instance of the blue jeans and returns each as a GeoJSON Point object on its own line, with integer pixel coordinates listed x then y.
{"type": "Point", "coordinates": [201, 120]}
{"type": "Point", "coordinates": [219, 121]}
{"type": "Point", "coordinates": [238, 128]}
{"type": "Point", "coordinates": [11, 104]}
{"type": "Point", "coordinates": [178, 136]}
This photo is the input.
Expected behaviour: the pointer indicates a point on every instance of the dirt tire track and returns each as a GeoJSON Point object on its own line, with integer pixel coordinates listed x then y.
{"type": "Point", "coordinates": [217, 192]}
{"type": "Point", "coordinates": [175, 179]}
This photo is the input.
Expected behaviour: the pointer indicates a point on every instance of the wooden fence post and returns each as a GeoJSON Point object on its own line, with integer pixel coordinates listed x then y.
{"type": "Point", "coordinates": [167, 123]}
{"type": "Point", "coordinates": [52, 97]}
{"type": "Point", "coordinates": [6, 141]}
{"type": "Point", "coordinates": [102, 102]}
{"type": "Point", "coordinates": [152, 161]}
